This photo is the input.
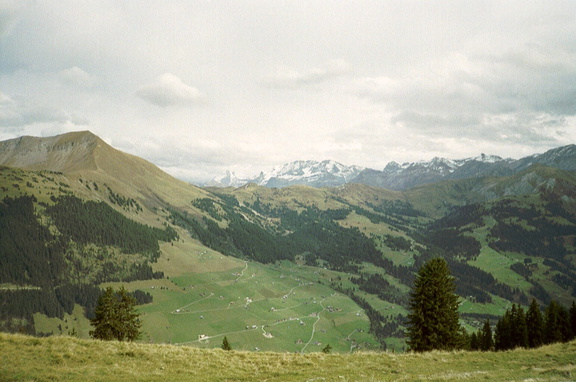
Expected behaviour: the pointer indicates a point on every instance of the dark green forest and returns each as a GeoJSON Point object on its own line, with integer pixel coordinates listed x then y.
{"type": "Point", "coordinates": [97, 223]}
{"type": "Point", "coordinates": [43, 262]}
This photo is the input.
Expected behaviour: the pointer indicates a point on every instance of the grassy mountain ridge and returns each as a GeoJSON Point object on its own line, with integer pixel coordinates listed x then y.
{"type": "Point", "coordinates": [340, 260]}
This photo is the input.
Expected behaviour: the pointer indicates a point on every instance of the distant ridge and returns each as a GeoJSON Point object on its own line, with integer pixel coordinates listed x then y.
{"type": "Point", "coordinates": [397, 176]}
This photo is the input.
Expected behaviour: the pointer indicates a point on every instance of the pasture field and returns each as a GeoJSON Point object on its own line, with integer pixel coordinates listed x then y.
{"type": "Point", "coordinates": [282, 307]}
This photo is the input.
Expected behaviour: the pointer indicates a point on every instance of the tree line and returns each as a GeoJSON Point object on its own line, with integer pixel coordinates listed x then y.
{"type": "Point", "coordinates": [527, 329]}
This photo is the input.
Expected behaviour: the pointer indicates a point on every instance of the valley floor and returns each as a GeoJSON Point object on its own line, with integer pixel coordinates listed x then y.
{"type": "Point", "coordinates": [24, 358]}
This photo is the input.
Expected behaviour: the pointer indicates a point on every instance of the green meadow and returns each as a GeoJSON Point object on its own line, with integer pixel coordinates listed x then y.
{"type": "Point", "coordinates": [282, 307]}
{"type": "Point", "coordinates": [59, 358]}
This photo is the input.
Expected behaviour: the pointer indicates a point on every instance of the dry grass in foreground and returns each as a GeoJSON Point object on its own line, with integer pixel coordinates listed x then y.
{"type": "Point", "coordinates": [24, 358]}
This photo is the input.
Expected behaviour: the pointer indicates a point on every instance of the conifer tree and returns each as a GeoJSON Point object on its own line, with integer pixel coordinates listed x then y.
{"type": "Point", "coordinates": [226, 345]}
{"type": "Point", "coordinates": [553, 323]}
{"type": "Point", "coordinates": [535, 325]}
{"type": "Point", "coordinates": [502, 337]}
{"type": "Point", "coordinates": [327, 349]}
{"type": "Point", "coordinates": [519, 330]}
{"type": "Point", "coordinates": [115, 317]}
{"type": "Point", "coordinates": [104, 320]}
{"type": "Point", "coordinates": [474, 341]}
{"type": "Point", "coordinates": [565, 325]}
{"type": "Point", "coordinates": [486, 343]}
{"type": "Point", "coordinates": [463, 339]}
{"type": "Point", "coordinates": [573, 319]}
{"type": "Point", "coordinates": [433, 320]}
{"type": "Point", "coordinates": [129, 324]}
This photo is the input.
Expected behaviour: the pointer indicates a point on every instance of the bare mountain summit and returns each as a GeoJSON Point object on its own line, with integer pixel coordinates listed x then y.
{"type": "Point", "coordinates": [62, 153]}
{"type": "Point", "coordinates": [84, 155]}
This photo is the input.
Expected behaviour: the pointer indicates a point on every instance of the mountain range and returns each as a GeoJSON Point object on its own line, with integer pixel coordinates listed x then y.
{"type": "Point", "coordinates": [327, 173]}
{"type": "Point", "coordinates": [285, 267]}
{"type": "Point", "coordinates": [397, 176]}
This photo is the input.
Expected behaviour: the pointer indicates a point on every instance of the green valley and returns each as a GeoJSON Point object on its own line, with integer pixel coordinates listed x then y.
{"type": "Point", "coordinates": [289, 269]}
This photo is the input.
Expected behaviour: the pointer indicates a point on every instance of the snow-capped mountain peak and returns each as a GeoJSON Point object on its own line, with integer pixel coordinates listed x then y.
{"type": "Point", "coordinates": [488, 158]}
{"type": "Point", "coordinates": [228, 180]}
{"type": "Point", "coordinates": [397, 176]}
{"type": "Point", "coordinates": [306, 172]}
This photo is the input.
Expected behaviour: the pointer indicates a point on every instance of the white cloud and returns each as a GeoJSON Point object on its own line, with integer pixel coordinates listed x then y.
{"type": "Point", "coordinates": [286, 77]}
{"type": "Point", "coordinates": [520, 96]}
{"type": "Point", "coordinates": [170, 90]}
{"type": "Point", "coordinates": [19, 114]}
{"type": "Point", "coordinates": [77, 77]}
{"type": "Point", "coordinates": [9, 15]}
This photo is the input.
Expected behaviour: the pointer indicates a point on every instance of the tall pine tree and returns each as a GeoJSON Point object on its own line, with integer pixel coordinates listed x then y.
{"type": "Point", "coordinates": [486, 342]}
{"type": "Point", "coordinates": [115, 317]}
{"type": "Point", "coordinates": [502, 334]}
{"type": "Point", "coordinates": [226, 345]}
{"type": "Point", "coordinates": [104, 320]}
{"type": "Point", "coordinates": [129, 328]}
{"type": "Point", "coordinates": [553, 329]}
{"type": "Point", "coordinates": [573, 319]}
{"type": "Point", "coordinates": [433, 320]}
{"type": "Point", "coordinates": [519, 329]}
{"type": "Point", "coordinates": [535, 325]}
{"type": "Point", "coordinates": [474, 341]}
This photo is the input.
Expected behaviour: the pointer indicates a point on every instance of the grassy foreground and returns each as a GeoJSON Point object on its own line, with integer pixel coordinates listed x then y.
{"type": "Point", "coordinates": [24, 358]}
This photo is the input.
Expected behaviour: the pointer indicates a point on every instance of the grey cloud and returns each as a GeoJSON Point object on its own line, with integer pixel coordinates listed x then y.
{"type": "Point", "coordinates": [408, 80]}
{"type": "Point", "coordinates": [170, 90]}
{"type": "Point", "coordinates": [535, 129]}
{"type": "Point", "coordinates": [532, 78]}
{"type": "Point", "coordinates": [522, 94]}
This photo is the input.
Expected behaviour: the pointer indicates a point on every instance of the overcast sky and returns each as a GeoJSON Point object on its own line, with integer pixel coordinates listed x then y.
{"type": "Point", "coordinates": [201, 87]}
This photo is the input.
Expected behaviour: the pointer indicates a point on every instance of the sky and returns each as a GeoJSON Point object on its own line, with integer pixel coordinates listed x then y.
{"type": "Point", "coordinates": [200, 87]}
